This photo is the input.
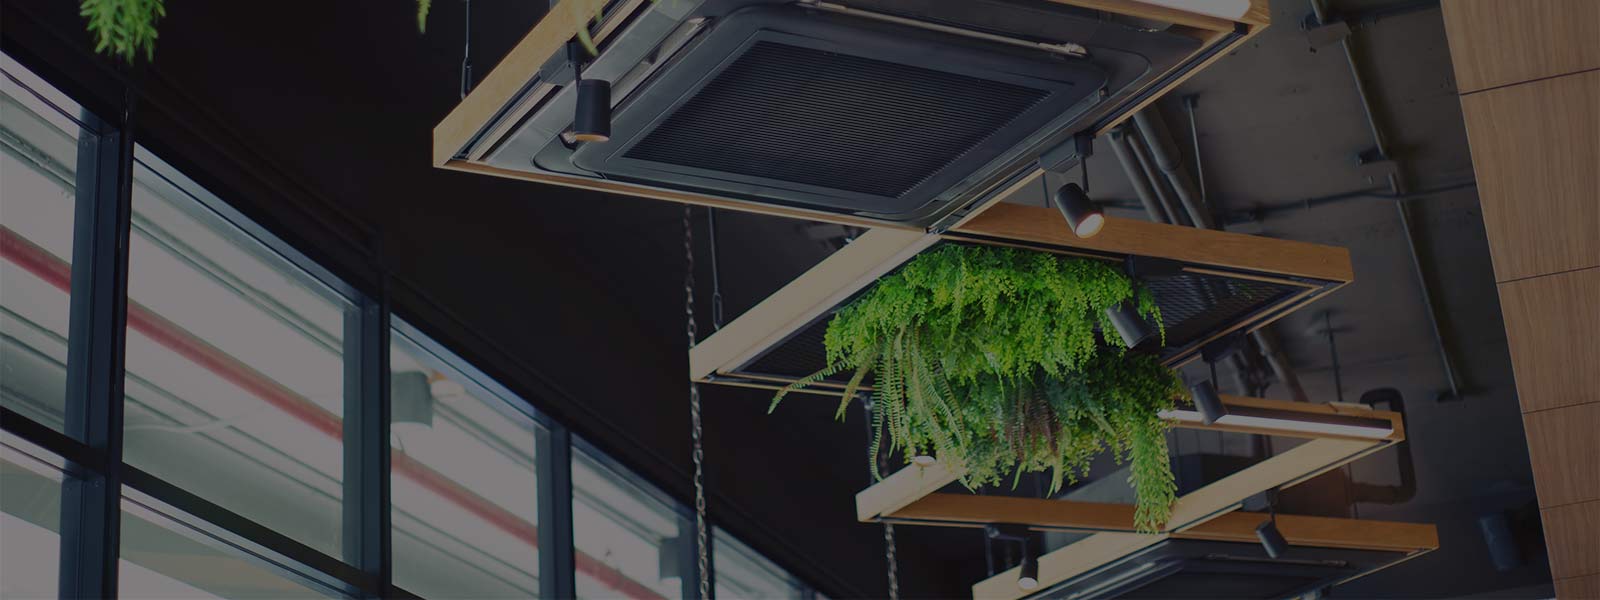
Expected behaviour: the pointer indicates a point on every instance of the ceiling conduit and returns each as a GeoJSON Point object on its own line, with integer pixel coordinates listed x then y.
{"type": "Point", "coordinates": [1154, 130]}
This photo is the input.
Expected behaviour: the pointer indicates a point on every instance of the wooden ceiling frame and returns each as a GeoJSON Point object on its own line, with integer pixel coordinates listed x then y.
{"type": "Point", "coordinates": [911, 496]}
{"type": "Point", "coordinates": [1316, 270]}
{"type": "Point", "coordinates": [499, 98]}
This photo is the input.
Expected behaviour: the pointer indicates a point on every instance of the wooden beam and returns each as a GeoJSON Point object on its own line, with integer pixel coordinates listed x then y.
{"type": "Point", "coordinates": [803, 300]}
{"type": "Point", "coordinates": [1155, 12]}
{"type": "Point", "coordinates": [902, 488]}
{"type": "Point", "coordinates": [508, 78]}
{"type": "Point", "coordinates": [1040, 225]}
{"type": "Point", "coordinates": [1190, 512]}
{"type": "Point", "coordinates": [1334, 412]}
{"type": "Point", "coordinates": [654, 193]}
{"type": "Point", "coordinates": [1325, 451]}
{"type": "Point", "coordinates": [1321, 532]}
{"type": "Point", "coordinates": [1042, 514]}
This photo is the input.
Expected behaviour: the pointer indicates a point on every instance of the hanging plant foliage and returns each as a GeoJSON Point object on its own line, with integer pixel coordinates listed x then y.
{"type": "Point", "coordinates": [125, 28]}
{"type": "Point", "coordinates": [988, 358]}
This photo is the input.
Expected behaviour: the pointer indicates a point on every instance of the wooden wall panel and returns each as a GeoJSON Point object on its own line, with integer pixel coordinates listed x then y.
{"type": "Point", "coordinates": [1578, 587]}
{"type": "Point", "coordinates": [1551, 324]}
{"type": "Point", "coordinates": [1535, 148]}
{"type": "Point", "coordinates": [1551, 37]}
{"type": "Point", "coordinates": [1564, 447]}
{"type": "Point", "coordinates": [1570, 533]}
{"type": "Point", "coordinates": [1529, 75]}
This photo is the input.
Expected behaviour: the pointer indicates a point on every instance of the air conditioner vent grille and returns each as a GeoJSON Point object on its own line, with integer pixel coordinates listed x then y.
{"type": "Point", "coordinates": [832, 120]}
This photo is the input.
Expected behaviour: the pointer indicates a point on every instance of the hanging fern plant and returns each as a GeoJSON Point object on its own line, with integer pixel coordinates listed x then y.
{"type": "Point", "coordinates": [124, 28]}
{"type": "Point", "coordinates": [988, 358]}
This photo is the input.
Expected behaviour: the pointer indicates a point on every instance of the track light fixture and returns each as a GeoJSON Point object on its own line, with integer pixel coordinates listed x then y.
{"type": "Point", "coordinates": [1129, 324]}
{"type": "Point", "coordinates": [1085, 218]}
{"type": "Point", "coordinates": [1208, 402]}
{"type": "Point", "coordinates": [1271, 539]}
{"type": "Point", "coordinates": [593, 120]}
{"type": "Point", "coordinates": [1029, 578]}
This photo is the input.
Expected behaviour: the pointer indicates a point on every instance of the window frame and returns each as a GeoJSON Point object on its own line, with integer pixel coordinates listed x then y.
{"type": "Point", "coordinates": [97, 482]}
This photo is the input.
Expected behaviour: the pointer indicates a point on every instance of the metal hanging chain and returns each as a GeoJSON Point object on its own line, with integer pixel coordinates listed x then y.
{"type": "Point", "coordinates": [894, 568]}
{"type": "Point", "coordinates": [466, 53]}
{"type": "Point", "coordinates": [702, 563]}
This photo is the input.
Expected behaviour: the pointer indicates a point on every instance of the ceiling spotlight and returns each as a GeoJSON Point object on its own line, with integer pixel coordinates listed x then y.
{"type": "Point", "coordinates": [1029, 579]}
{"type": "Point", "coordinates": [922, 460]}
{"type": "Point", "coordinates": [1272, 539]}
{"type": "Point", "coordinates": [1082, 214]}
{"type": "Point", "coordinates": [1208, 402]}
{"type": "Point", "coordinates": [1129, 324]}
{"type": "Point", "coordinates": [593, 120]}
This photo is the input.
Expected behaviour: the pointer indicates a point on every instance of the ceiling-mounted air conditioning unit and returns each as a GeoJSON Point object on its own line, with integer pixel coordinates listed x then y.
{"type": "Point", "coordinates": [877, 112]}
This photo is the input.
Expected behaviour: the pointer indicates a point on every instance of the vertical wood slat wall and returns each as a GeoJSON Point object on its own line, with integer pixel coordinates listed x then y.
{"type": "Point", "coordinates": [1528, 72]}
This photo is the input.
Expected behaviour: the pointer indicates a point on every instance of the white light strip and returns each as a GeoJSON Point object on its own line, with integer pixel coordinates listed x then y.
{"type": "Point", "coordinates": [1190, 416]}
{"type": "Point", "coordinates": [1224, 9]}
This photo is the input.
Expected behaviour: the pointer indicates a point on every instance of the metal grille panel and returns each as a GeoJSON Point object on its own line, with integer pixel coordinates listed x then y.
{"type": "Point", "coordinates": [833, 120]}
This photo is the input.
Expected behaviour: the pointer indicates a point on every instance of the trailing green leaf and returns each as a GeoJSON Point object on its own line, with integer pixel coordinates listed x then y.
{"type": "Point", "coordinates": [124, 28]}
{"type": "Point", "coordinates": [989, 359]}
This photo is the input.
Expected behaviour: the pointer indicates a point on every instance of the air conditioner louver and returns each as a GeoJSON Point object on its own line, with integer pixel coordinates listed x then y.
{"type": "Point", "coordinates": [831, 120]}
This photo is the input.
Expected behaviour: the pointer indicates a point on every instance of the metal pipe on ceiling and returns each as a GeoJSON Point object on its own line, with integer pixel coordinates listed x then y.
{"type": "Point", "coordinates": [1141, 185]}
{"type": "Point", "coordinates": [1145, 184]}
{"type": "Point", "coordinates": [1397, 188]}
{"type": "Point", "coordinates": [1153, 130]}
{"type": "Point", "coordinates": [1152, 174]}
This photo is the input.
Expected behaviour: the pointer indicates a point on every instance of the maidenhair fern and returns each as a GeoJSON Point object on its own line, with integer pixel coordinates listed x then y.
{"type": "Point", "coordinates": [124, 28]}
{"type": "Point", "coordinates": [988, 358]}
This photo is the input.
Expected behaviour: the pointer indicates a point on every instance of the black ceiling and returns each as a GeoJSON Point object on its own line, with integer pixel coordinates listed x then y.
{"type": "Point", "coordinates": [315, 117]}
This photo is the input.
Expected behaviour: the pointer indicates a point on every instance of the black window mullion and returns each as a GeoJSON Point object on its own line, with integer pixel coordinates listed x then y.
{"type": "Point", "coordinates": [366, 445]}
{"type": "Point", "coordinates": [553, 459]}
{"type": "Point", "coordinates": [91, 495]}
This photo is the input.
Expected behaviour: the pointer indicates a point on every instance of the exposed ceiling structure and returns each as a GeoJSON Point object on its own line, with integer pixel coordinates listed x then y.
{"type": "Point", "coordinates": [316, 118]}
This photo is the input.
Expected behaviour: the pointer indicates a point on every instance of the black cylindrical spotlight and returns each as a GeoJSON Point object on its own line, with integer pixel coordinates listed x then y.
{"type": "Point", "coordinates": [1129, 324]}
{"type": "Point", "coordinates": [1029, 579]}
{"type": "Point", "coordinates": [1208, 402]}
{"type": "Point", "coordinates": [1083, 215]}
{"type": "Point", "coordinates": [592, 123]}
{"type": "Point", "coordinates": [1271, 539]}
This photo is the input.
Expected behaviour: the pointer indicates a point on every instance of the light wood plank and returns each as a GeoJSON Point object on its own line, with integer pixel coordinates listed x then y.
{"type": "Point", "coordinates": [1156, 12]}
{"type": "Point", "coordinates": [1578, 588]}
{"type": "Point", "coordinates": [902, 488]}
{"type": "Point", "coordinates": [970, 510]}
{"type": "Point", "coordinates": [1040, 225]}
{"type": "Point", "coordinates": [1503, 42]}
{"type": "Point", "coordinates": [654, 193]}
{"type": "Point", "coordinates": [803, 300]}
{"type": "Point", "coordinates": [1572, 535]}
{"type": "Point", "coordinates": [1055, 567]}
{"type": "Point", "coordinates": [1283, 470]}
{"type": "Point", "coordinates": [1535, 147]}
{"type": "Point", "coordinates": [1564, 448]}
{"type": "Point", "coordinates": [1553, 328]}
{"type": "Point", "coordinates": [507, 78]}
{"type": "Point", "coordinates": [1321, 532]}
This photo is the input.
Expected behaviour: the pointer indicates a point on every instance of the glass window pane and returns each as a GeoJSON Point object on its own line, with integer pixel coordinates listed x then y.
{"type": "Point", "coordinates": [165, 558]}
{"type": "Point", "coordinates": [235, 369]}
{"type": "Point", "coordinates": [464, 485]}
{"type": "Point", "coordinates": [626, 538]}
{"type": "Point", "coordinates": [743, 573]}
{"type": "Point", "coordinates": [38, 165]}
{"type": "Point", "coordinates": [30, 523]}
